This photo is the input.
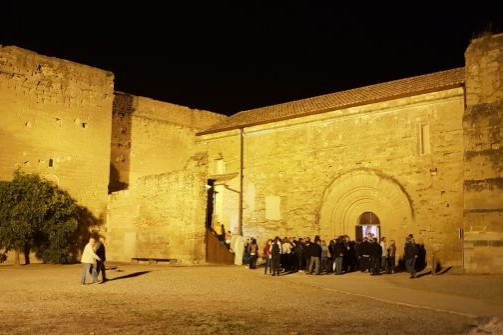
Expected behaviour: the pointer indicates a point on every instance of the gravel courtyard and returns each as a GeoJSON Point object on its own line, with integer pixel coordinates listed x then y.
{"type": "Point", "coordinates": [165, 299]}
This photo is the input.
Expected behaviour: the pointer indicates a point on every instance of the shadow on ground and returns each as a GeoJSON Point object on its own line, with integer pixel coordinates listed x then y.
{"type": "Point", "coordinates": [131, 275]}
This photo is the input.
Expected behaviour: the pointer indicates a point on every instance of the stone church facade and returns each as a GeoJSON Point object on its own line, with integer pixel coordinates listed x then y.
{"type": "Point", "coordinates": [417, 156]}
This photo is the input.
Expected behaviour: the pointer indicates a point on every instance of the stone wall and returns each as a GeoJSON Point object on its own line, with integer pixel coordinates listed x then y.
{"type": "Point", "coordinates": [55, 120]}
{"type": "Point", "coordinates": [318, 174]}
{"type": "Point", "coordinates": [151, 137]}
{"type": "Point", "coordinates": [483, 166]}
{"type": "Point", "coordinates": [158, 205]}
{"type": "Point", "coordinates": [160, 216]}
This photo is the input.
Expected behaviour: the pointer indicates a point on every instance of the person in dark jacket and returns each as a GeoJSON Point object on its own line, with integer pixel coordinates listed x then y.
{"type": "Point", "coordinates": [315, 251]}
{"type": "Point", "coordinates": [339, 250]}
{"type": "Point", "coordinates": [375, 256]}
{"type": "Point", "coordinates": [409, 256]}
{"type": "Point", "coordinates": [99, 249]}
{"type": "Point", "coordinates": [364, 255]}
{"type": "Point", "coordinates": [276, 250]}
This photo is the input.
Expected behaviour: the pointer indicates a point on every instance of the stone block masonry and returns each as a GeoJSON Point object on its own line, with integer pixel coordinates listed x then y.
{"type": "Point", "coordinates": [55, 120]}
{"type": "Point", "coordinates": [483, 156]}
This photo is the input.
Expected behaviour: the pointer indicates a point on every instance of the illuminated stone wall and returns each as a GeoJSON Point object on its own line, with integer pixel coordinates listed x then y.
{"type": "Point", "coordinates": [318, 174]}
{"type": "Point", "coordinates": [151, 137]}
{"type": "Point", "coordinates": [158, 176]}
{"type": "Point", "coordinates": [483, 168]}
{"type": "Point", "coordinates": [160, 216]}
{"type": "Point", "coordinates": [55, 120]}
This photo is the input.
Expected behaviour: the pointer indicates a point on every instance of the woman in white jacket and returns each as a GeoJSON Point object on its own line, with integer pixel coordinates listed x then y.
{"type": "Point", "coordinates": [89, 259]}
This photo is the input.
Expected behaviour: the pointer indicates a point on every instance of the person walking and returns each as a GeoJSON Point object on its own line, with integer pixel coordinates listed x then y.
{"type": "Point", "coordinates": [89, 259]}
{"type": "Point", "coordinates": [99, 249]}
{"type": "Point", "coordinates": [410, 256]}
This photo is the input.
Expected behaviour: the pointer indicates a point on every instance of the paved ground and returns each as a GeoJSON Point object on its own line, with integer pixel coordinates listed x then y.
{"type": "Point", "coordinates": [166, 299]}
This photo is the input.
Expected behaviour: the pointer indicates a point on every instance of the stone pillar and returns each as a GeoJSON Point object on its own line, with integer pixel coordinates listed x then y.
{"type": "Point", "coordinates": [483, 156]}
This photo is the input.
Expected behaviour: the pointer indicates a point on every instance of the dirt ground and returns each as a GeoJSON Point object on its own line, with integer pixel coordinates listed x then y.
{"type": "Point", "coordinates": [167, 299]}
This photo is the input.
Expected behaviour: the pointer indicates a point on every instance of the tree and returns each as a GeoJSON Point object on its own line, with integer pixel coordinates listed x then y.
{"type": "Point", "coordinates": [37, 216]}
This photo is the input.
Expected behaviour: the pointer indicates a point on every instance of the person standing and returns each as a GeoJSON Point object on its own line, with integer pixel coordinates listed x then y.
{"type": "Point", "coordinates": [384, 248]}
{"type": "Point", "coordinates": [375, 257]}
{"type": "Point", "coordinates": [89, 259]}
{"type": "Point", "coordinates": [324, 257]}
{"type": "Point", "coordinates": [253, 251]}
{"type": "Point", "coordinates": [276, 252]}
{"type": "Point", "coordinates": [391, 257]}
{"type": "Point", "coordinates": [267, 257]}
{"type": "Point", "coordinates": [339, 251]}
{"type": "Point", "coordinates": [314, 263]}
{"type": "Point", "coordinates": [99, 249]}
{"type": "Point", "coordinates": [410, 256]}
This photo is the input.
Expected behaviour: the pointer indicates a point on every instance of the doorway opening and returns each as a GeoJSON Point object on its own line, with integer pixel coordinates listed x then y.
{"type": "Point", "coordinates": [368, 225]}
{"type": "Point", "coordinates": [210, 204]}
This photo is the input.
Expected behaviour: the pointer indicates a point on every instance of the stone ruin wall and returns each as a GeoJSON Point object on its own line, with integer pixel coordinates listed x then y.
{"type": "Point", "coordinates": [290, 165]}
{"type": "Point", "coordinates": [151, 137]}
{"type": "Point", "coordinates": [483, 165]}
{"type": "Point", "coordinates": [158, 207]}
{"type": "Point", "coordinates": [55, 120]}
{"type": "Point", "coordinates": [223, 150]}
{"type": "Point", "coordinates": [160, 216]}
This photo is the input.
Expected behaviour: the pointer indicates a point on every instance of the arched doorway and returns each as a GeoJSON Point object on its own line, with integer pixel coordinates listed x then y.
{"type": "Point", "coordinates": [368, 225]}
{"type": "Point", "coordinates": [361, 191]}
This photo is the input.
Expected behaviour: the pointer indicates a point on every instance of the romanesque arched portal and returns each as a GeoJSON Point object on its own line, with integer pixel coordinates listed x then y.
{"type": "Point", "coordinates": [359, 191]}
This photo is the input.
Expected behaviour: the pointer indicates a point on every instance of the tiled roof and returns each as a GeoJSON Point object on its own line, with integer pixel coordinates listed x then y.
{"type": "Point", "coordinates": [433, 82]}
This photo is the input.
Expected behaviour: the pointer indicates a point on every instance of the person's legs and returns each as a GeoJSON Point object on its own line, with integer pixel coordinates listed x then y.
{"type": "Point", "coordinates": [316, 261]}
{"type": "Point", "coordinates": [377, 265]}
{"type": "Point", "coordinates": [94, 275]}
{"type": "Point", "coordinates": [409, 266]}
{"type": "Point", "coordinates": [267, 265]}
{"type": "Point", "coordinates": [87, 268]}
{"type": "Point", "coordinates": [103, 273]}
{"type": "Point", "coordinates": [413, 268]}
{"type": "Point", "coordinates": [339, 261]}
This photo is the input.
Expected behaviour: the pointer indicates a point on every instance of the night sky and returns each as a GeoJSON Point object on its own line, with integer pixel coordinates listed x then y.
{"type": "Point", "coordinates": [231, 56]}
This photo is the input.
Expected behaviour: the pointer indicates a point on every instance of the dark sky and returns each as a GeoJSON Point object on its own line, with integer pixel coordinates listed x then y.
{"type": "Point", "coordinates": [231, 56]}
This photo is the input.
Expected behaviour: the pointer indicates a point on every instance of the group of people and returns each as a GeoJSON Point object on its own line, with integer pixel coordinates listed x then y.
{"type": "Point", "coordinates": [287, 255]}
{"type": "Point", "coordinates": [340, 255]}
{"type": "Point", "coordinates": [93, 258]}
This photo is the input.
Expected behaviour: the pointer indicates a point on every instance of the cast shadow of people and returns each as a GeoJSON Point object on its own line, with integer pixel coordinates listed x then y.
{"type": "Point", "coordinates": [421, 258]}
{"type": "Point", "coordinates": [130, 275]}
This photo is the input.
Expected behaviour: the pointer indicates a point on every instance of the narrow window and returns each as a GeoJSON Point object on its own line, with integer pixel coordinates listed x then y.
{"type": "Point", "coordinates": [51, 162]}
{"type": "Point", "coordinates": [424, 139]}
{"type": "Point", "coordinates": [220, 166]}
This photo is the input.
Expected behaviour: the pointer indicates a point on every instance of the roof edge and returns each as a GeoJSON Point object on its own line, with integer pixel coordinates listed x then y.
{"type": "Point", "coordinates": [326, 110]}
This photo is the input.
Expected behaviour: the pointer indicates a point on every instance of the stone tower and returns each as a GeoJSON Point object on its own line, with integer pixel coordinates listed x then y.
{"type": "Point", "coordinates": [483, 156]}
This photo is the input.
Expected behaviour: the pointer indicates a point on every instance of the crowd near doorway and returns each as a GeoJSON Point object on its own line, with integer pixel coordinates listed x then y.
{"type": "Point", "coordinates": [368, 223]}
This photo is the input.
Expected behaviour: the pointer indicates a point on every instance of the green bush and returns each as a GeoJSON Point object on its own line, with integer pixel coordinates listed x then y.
{"type": "Point", "coordinates": [37, 216]}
